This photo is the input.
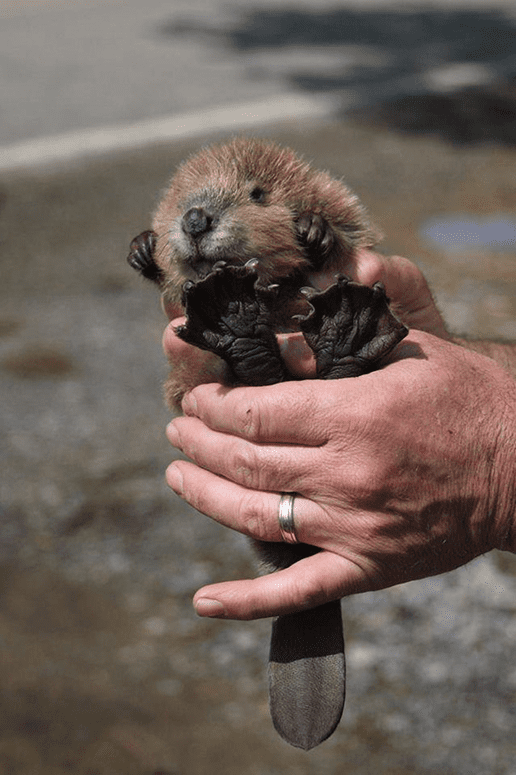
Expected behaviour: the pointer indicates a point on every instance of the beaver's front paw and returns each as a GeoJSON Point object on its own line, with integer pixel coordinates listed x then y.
{"type": "Point", "coordinates": [141, 256]}
{"type": "Point", "coordinates": [228, 313]}
{"type": "Point", "coordinates": [350, 328]}
{"type": "Point", "coordinates": [316, 236]}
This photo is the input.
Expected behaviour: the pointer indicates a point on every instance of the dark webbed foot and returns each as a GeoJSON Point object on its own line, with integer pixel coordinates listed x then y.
{"type": "Point", "coordinates": [316, 236]}
{"type": "Point", "coordinates": [350, 328]}
{"type": "Point", "coordinates": [228, 313]}
{"type": "Point", "coordinates": [141, 256]}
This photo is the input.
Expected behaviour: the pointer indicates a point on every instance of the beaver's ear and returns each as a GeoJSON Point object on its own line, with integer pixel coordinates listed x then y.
{"type": "Point", "coordinates": [316, 236]}
{"type": "Point", "coordinates": [141, 256]}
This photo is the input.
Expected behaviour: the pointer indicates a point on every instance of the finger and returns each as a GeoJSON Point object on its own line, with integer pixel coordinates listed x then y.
{"type": "Point", "coordinates": [257, 466]}
{"type": "Point", "coordinates": [172, 309]}
{"type": "Point", "coordinates": [397, 274]}
{"type": "Point", "coordinates": [288, 412]}
{"type": "Point", "coordinates": [251, 512]}
{"type": "Point", "coordinates": [276, 467]}
{"type": "Point", "coordinates": [173, 346]}
{"type": "Point", "coordinates": [406, 287]}
{"type": "Point", "coordinates": [299, 358]}
{"type": "Point", "coordinates": [201, 366]}
{"type": "Point", "coordinates": [310, 582]}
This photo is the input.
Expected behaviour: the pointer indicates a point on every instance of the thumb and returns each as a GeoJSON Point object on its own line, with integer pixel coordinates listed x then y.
{"type": "Point", "coordinates": [310, 582]}
{"type": "Point", "coordinates": [297, 355]}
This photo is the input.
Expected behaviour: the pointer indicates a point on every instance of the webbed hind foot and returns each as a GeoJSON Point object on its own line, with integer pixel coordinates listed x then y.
{"type": "Point", "coordinates": [228, 313]}
{"type": "Point", "coordinates": [349, 328]}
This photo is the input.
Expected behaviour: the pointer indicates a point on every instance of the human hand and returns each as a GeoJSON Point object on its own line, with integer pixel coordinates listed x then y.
{"type": "Point", "coordinates": [405, 285]}
{"type": "Point", "coordinates": [402, 473]}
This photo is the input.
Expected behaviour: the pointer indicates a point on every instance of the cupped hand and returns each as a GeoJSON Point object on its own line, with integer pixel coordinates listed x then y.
{"type": "Point", "coordinates": [411, 299]}
{"type": "Point", "coordinates": [402, 473]}
{"type": "Point", "coordinates": [405, 285]}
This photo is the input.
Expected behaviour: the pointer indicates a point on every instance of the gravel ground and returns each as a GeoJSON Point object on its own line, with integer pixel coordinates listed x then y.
{"type": "Point", "coordinates": [105, 668]}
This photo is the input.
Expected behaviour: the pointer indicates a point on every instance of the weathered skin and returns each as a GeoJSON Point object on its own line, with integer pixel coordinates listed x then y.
{"type": "Point", "coordinates": [238, 237]}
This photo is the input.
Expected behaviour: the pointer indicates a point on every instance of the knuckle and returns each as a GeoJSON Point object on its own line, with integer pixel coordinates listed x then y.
{"type": "Point", "coordinates": [372, 481]}
{"type": "Point", "coordinates": [257, 469]}
{"type": "Point", "coordinates": [309, 592]}
{"type": "Point", "coordinates": [248, 420]}
{"type": "Point", "coordinates": [245, 466]}
{"type": "Point", "coordinates": [254, 516]}
{"type": "Point", "coordinates": [193, 496]}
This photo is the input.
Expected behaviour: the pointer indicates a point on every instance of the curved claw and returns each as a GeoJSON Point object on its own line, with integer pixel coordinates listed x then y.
{"type": "Point", "coordinates": [379, 290]}
{"type": "Point", "coordinates": [187, 286]}
{"type": "Point", "coordinates": [180, 331]}
{"type": "Point", "coordinates": [316, 235]}
{"type": "Point", "coordinates": [141, 256]}
{"type": "Point", "coordinates": [344, 279]}
{"type": "Point", "coordinates": [308, 292]}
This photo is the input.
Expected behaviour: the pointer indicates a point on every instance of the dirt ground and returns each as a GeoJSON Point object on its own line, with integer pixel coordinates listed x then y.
{"type": "Point", "coordinates": [104, 667]}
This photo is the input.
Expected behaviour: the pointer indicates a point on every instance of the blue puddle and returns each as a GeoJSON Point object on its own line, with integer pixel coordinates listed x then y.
{"type": "Point", "coordinates": [466, 232]}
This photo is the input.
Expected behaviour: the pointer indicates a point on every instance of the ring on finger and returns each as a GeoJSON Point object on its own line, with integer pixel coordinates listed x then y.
{"type": "Point", "coordinates": [286, 518]}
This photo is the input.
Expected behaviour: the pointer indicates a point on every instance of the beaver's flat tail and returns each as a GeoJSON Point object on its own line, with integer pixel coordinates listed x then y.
{"type": "Point", "coordinates": [307, 675]}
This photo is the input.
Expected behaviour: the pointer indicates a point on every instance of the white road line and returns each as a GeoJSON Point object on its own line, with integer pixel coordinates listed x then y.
{"type": "Point", "coordinates": [80, 145]}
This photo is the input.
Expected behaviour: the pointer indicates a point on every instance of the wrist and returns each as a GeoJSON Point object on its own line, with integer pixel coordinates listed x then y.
{"type": "Point", "coordinates": [503, 353]}
{"type": "Point", "coordinates": [504, 476]}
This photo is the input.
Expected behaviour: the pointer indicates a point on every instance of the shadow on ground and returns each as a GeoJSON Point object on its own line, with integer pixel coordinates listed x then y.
{"type": "Point", "coordinates": [450, 73]}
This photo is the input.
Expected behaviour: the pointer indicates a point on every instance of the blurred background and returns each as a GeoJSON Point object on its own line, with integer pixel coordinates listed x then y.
{"type": "Point", "coordinates": [104, 667]}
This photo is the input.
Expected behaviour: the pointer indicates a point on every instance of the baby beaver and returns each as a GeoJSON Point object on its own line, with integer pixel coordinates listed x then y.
{"type": "Point", "coordinates": [244, 236]}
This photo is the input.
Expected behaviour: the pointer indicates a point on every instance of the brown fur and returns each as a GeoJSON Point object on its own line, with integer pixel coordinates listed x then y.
{"type": "Point", "coordinates": [226, 180]}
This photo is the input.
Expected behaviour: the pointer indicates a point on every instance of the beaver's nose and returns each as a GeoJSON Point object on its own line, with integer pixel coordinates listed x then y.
{"type": "Point", "coordinates": [196, 221]}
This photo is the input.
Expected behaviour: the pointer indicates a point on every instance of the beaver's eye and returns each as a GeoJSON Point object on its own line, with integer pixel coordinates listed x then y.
{"type": "Point", "coordinates": [257, 194]}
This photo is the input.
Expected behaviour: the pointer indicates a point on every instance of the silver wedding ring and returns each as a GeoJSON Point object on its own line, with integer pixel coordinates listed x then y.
{"type": "Point", "coordinates": [286, 518]}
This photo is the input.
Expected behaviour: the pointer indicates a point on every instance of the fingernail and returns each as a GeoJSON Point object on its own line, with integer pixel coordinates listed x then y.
{"type": "Point", "coordinates": [206, 607]}
{"type": "Point", "coordinates": [172, 434]}
{"type": "Point", "coordinates": [175, 479]}
{"type": "Point", "coordinates": [189, 404]}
